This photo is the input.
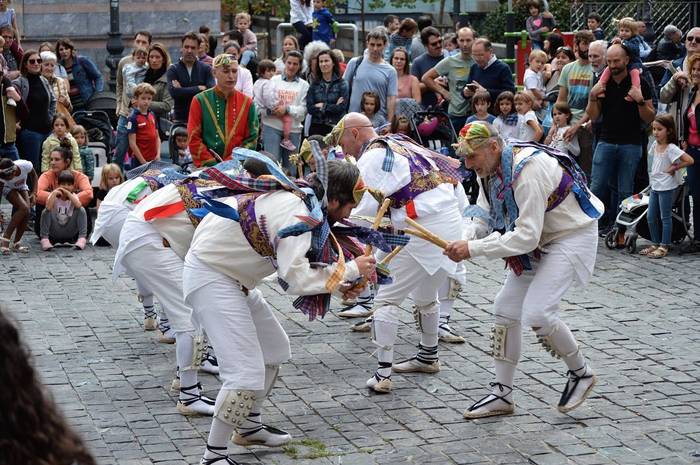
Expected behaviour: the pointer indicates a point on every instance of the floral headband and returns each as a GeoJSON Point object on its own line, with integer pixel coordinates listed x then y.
{"type": "Point", "coordinates": [471, 137]}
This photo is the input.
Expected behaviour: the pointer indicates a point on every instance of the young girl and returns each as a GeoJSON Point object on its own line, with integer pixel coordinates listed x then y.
{"type": "Point", "coordinates": [401, 125]}
{"type": "Point", "coordinates": [134, 73]}
{"type": "Point", "coordinates": [627, 35]}
{"type": "Point", "coordinates": [111, 176]}
{"type": "Point", "coordinates": [8, 16]}
{"type": "Point", "coordinates": [451, 45]}
{"type": "Point", "coordinates": [13, 177]}
{"type": "Point", "coordinates": [506, 123]}
{"type": "Point", "coordinates": [561, 119]}
{"type": "Point", "coordinates": [529, 128]}
{"type": "Point", "coordinates": [87, 158]}
{"type": "Point", "coordinates": [666, 161]}
{"type": "Point", "coordinates": [370, 107]}
{"type": "Point", "coordinates": [60, 132]}
{"type": "Point", "coordinates": [249, 47]}
{"type": "Point", "coordinates": [480, 107]}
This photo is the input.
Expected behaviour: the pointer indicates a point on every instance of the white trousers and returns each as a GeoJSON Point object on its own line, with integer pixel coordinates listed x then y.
{"type": "Point", "coordinates": [243, 330]}
{"type": "Point", "coordinates": [534, 296]}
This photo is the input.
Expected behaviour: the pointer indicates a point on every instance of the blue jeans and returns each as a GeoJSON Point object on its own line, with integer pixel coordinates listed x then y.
{"type": "Point", "coordinates": [612, 176]}
{"type": "Point", "coordinates": [660, 204]}
{"type": "Point", "coordinates": [30, 147]}
{"type": "Point", "coordinates": [693, 180]}
{"type": "Point", "coordinates": [122, 142]}
{"type": "Point", "coordinates": [271, 143]}
{"type": "Point", "coordinates": [304, 32]}
{"type": "Point", "coordinates": [9, 150]}
{"type": "Point", "coordinates": [246, 56]}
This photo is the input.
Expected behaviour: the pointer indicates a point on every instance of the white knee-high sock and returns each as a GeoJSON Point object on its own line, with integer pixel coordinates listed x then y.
{"type": "Point", "coordinates": [429, 321]}
{"type": "Point", "coordinates": [564, 344]}
{"type": "Point", "coordinates": [384, 336]}
{"type": "Point", "coordinates": [511, 345]}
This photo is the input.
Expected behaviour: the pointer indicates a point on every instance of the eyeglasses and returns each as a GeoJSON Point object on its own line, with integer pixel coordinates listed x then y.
{"type": "Point", "coordinates": [693, 39]}
{"type": "Point", "coordinates": [34, 61]}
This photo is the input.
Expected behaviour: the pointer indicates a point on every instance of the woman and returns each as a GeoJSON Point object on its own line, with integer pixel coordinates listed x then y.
{"type": "Point", "coordinates": [311, 51]}
{"type": "Point", "coordinates": [288, 44]}
{"type": "Point", "coordinates": [40, 102]}
{"type": "Point", "coordinates": [301, 17]}
{"type": "Point", "coordinates": [49, 187]}
{"type": "Point", "coordinates": [83, 76]}
{"type": "Point", "coordinates": [552, 43]}
{"type": "Point", "coordinates": [292, 91]}
{"type": "Point", "coordinates": [58, 85]}
{"type": "Point", "coordinates": [687, 118]}
{"type": "Point", "coordinates": [59, 70]}
{"type": "Point", "coordinates": [327, 101]}
{"type": "Point", "coordinates": [562, 57]}
{"type": "Point", "coordinates": [409, 96]}
{"type": "Point", "coordinates": [158, 64]}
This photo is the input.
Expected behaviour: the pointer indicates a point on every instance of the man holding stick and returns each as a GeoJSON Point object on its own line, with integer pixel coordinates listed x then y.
{"type": "Point", "coordinates": [538, 198]}
{"type": "Point", "coordinates": [420, 184]}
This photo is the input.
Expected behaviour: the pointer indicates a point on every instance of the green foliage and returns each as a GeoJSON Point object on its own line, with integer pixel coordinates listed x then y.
{"type": "Point", "coordinates": [377, 4]}
{"type": "Point", "coordinates": [279, 8]}
{"type": "Point", "coordinates": [494, 25]}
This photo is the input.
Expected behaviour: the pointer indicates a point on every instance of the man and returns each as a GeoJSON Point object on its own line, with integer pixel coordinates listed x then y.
{"type": "Point", "coordinates": [373, 74]}
{"type": "Point", "coordinates": [11, 52]}
{"type": "Point", "coordinates": [597, 54]}
{"type": "Point", "coordinates": [670, 47]}
{"type": "Point", "coordinates": [540, 201]}
{"type": "Point", "coordinates": [188, 77]}
{"type": "Point", "coordinates": [622, 135]}
{"type": "Point", "coordinates": [421, 186]}
{"type": "Point", "coordinates": [456, 68]}
{"type": "Point", "coordinates": [142, 39]}
{"type": "Point", "coordinates": [575, 83]}
{"type": "Point", "coordinates": [222, 118]}
{"type": "Point", "coordinates": [225, 263]}
{"type": "Point", "coordinates": [417, 44]}
{"type": "Point", "coordinates": [488, 73]}
{"type": "Point", "coordinates": [432, 41]}
{"type": "Point", "coordinates": [244, 81]}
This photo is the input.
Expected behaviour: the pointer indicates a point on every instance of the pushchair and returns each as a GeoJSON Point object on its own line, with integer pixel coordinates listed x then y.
{"type": "Point", "coordinates": [632, 218]}
{"type": "Point", "coordinates": [100, 133]}
{"type": "Point", "coordinates": [104, 101]}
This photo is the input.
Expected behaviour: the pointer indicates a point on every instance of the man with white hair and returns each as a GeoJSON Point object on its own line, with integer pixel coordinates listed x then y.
{"type": "Point", "coordinates": [596, 54]}
{"type": "Point", "coordinates": [670, 47]}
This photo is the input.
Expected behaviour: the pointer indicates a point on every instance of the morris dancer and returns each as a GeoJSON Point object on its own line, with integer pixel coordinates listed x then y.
{"type": "Point", "coordinates": [420, 184]}
{"type": "Point", "coordinates": [228, 259]}
{"type": "Point", "coordinates": [538, 197]}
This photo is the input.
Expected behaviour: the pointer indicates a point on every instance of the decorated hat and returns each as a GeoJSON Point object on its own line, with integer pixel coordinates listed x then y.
{"type": "Point", "coordinates": [472, 136]}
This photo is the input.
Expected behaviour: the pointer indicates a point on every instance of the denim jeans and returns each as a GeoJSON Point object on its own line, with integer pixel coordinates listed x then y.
{"type": "Point", "coordinates": [9, 150]}
{"type": "Point", "coordinates": [660, 204]}
{"type": "Point", "coordinates": [30, 147]}
{"type": "Point", "coordinates": [246, 56]}
{"type": "Point", "coordinates": [122, 142]}
{"type": "Point", "coordinates": [271, 143]}
{"type": "Point", "coordinates": [612, 175]}
{"type": "Point", "coordinates": [693, 180]}
{"type": "Point", "coordinates": [304, 32]}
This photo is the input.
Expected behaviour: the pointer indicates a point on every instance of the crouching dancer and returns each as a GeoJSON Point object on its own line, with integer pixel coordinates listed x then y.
{"type": "Point", "coordinates": [538, 197]}
{"type": "Point", "coordinates": [251, 236]}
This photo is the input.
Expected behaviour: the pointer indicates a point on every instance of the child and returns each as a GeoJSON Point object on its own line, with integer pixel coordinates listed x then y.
{"type": "Point", "coordinates": [64, 219]}
{"type": "Point", "coordinates": [401, 125]}
{"type": "Point", "coordinates": [324, 24]}
{"type": "Point", "coordinates": [529, 128]}
{"type": "Point", "coordinates": [60, 133]}
{"type": "Point", "coordinates": [536, 24]}
{"type": "Point", "coordinates": [370, 106]}
{"type": "Point", "coordinates": [135, 72]}
{"type": "Point", "coordinates": [184, 156]}
{"type": "Point", "coordinates": [402, 38]}
{"type": "Point", "coordinates": [480, 108]}
{"type": "Point", "coordinates": [534, 77]}
{"type": "Point", "coordinates": [87, 158]}
{"type": "Point", "coordinates": [506, 123]}
{"type": "Point", "coordinates": [666, 161]}
{"type": "Point", "coordinates": [111, 176]}
{"type": "Point", "coordinates": [8, 16]}
{"type": "Point", "coordinates": [249, 47]}
{"type": "Point", "coordinates": [593, 21]}
{"type": "Point", "coordinates": [267, 99]}
{"type": "Point", "coordinates": [561, 120]}
{"type": "Point", "coordinates": [144, 141]}
{"type": "Point", "coordinates": [13, 177]}
{"type": "Point", "coordinates": [627, 36]}
{"type": "Point", "coordinates": [451, 45]}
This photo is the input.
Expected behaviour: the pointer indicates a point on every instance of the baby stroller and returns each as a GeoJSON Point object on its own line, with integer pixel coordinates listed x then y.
{"type": "Point", "coordinates": [100, 133]}
{"type": "Point", "coordinates": [633, 219]}
{"type": "Point", "coordinates": [104, 101]}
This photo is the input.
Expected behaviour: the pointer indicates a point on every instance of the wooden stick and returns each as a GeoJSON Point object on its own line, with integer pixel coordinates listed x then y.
{"type": "Point", "coordinates": [377, 221]}
{"type": "Point", "coordinates": [300, 169]}
{"type": "Point", "coordinates": [391, 255]}
{"type": "Point", "coordinates": [434, 238]}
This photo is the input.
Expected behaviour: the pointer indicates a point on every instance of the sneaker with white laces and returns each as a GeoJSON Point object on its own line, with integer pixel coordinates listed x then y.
{"type": "Point", "coordinates": [194, 404]}
{"type": "Point", "coordinates": [494, 404]}
{"type": "Point", "coordinates": [263, 435]}
{"type": "Point", "coordinates": [413, 365]}
{"type": "Point", "coordinates": [577, 389]}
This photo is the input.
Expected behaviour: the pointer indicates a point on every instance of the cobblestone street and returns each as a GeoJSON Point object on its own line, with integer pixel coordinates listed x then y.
{"type": "Point", "coordinates": [636, 322]}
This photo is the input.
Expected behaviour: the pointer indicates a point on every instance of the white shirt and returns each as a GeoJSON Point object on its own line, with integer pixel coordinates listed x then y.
{"type": "Point", "coordinates": [525, 131]}
{"type": "Point", "coordinates": [559, 143]}
{"type": "Point", "coordinates": [300, 12]}
{"type": "Point", "coordinates": [293, 95]}
{"type": "Point", "coordinates": [533, 80]}
{"type": "Point", "coordinates": [506, 131]}
{"type": "Point", "coordinates": [244, 81]}
{"type": "Point", "coordinates": [659, 179]}
{"type": "Point", "coordinates": [18, 182]}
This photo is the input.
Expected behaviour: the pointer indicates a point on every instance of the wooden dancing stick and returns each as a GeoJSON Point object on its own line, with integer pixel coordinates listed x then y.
{"type": "Point", "coordinates": [300, 169]}
{"type": "Point", "coordinates": [377, 221]}
{"type": "Point", "coordinates": [390, 256]}
{"type": "Point", "coordinates": [425, 233]}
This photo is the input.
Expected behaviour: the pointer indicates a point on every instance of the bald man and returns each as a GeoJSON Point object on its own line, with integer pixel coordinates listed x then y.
{"type": "Point", "coordinates": [421, 186]}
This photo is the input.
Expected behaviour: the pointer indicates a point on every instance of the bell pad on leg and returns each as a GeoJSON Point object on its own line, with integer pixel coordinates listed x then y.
{"type": "Point", "coordinates": [235, 407]}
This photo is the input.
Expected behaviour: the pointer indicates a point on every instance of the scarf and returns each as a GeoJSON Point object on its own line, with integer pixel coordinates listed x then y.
{"type": "Point", "coordinates": [152, 75]}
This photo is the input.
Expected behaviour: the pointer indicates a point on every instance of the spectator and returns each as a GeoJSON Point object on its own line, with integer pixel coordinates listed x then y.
{"type": "Point", "coordinates": [596, 54]}
{"type": "Point", "coordinates": [244, 82]}
{"type": "Point", "coordinates": [87, 158]}
{"type": "Point", "coordinates": [142, 127]}
{"type": "Point", "coordinates": [60, 137]}
{"type": "Point", "coordinates": [392, 23]}
{"type": "Point", "coordinates": [11, 52]}
{"type": "Point", "coordinates": [629, 37]}
{"type": "Point", "coordinates": [561, 119]}
{"type": "Point", "coordinates": [488, 72]}
{"type": "Point", "coordinates": [64, 220]}
{"type": "Point", "coordinates": [457, 69]}
{"type": "Point", "coordinates": [683, 91]}
{"type": "Point", "coordinates": [83, 76]}
{"type": "Point", "coordinates": [529, 128]}
{"type": "Point", "coordinates": [670, 47]}
{"type": "Point", "coordinates": [292, 92]}
{"type": "Point", "coordinates": [188, 77]}
{"type": "Point", "coordinates": [620, 147]}
{"type": "Point", "coordinates": [249, 46]}
{"type": "Point", "coordinates": [450, 43]}
{"type": "Point", "coordinates": [40, 433]}
{"type": "Point", "coordinates": [59, 70]}
{"type": "Point", "coordinates": [288, 44]}
{"type": "Point", "coordinates": [267, 100]}
{"type": "Point", "coordinates": [594, 22]}
{"type": "Point", "coordinates": [203, 55]}
{"type": "Point", "coordinates": [370, 73]}
{"type": "Point", "coordinates": [675, 88]}
{"type": "Point", "coordinates": [311, 51]}
{"type": "Point", "coordinates": [142, 39]}
{"type": "Point", "coordinates": [563, 56]}
{"type": "Point", "coordinates": [401, 125]}
{"type": "Point", "coordinates": [340, 56]}
{"type": "Point", "coordinates": [211, 40]}
{"type": "Point", "coordinates": [327, 100]}
{"type": "Point", "coordinates": [58, 85]}
{"type": "Point", "coordinates": [36, 93]}
{"type": "Point", "coordinates": [324, 24]}
{"type": "Point", "coordinates": [184, 156]}
{"type": "Point", "coordinates": [417, 46]}
{"type": "Point", "coordinates": [135, 72]}
{"type": "Point", "coordinates": [110, 176]}
{"type": "Point", "coordinates": [506, 123]}
{"type": "Point", "coordinates": [644, 47]}
{"type": "Point", "coordinates": [301, 17]}
{"type": "Point", "coordinates": [9, 18]}
{"type": "Point", "coordinates": [158, 64]}
{"type": "Point", "coordinates": [534, 78]}
{"type": "Point", "coordinates": [481, 101]}
{"type": "Point", "coordinates": [371, 106]}
{"type": "Point", "coordinates": [575, 84]}
{"type": "Point", "coordinates": [15, 188]}
{"type": "Point", "coordinates": [409, 97]}
{"type": "Point", "coordinates": [430, 37]}
{"type": "Point", "coordinates": [8, 119]}
{"type": "Point", "coordinates": [552, 43]}
{"type": "Point", "coordinates": [537, 24]}
{"type": "Point", "coordinates": [401, 38]}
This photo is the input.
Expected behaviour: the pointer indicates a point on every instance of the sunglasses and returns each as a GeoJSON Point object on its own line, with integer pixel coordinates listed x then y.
{"type": "Point", "coordinates": [693, 39]}
{"type": "Point", "coordinates": [34, 61]}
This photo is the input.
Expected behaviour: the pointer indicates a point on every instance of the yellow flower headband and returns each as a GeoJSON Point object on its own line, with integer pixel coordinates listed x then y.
{"type": "Point", "coordinates": [473, 136]}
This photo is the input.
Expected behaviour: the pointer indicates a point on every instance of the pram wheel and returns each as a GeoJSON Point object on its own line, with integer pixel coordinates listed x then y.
{"type": "Point", "coordinates": [611, 239]}
{"type": "Point", "coordinates": [631, 243]}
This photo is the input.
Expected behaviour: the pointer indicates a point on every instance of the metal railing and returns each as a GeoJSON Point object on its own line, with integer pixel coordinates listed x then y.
{"type": "Point", "coordinates": [288, 26]}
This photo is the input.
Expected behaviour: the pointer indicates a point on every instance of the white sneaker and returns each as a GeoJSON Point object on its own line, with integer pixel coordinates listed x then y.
{"type": "Point", "coordinates": [413, 365]}
{"type": "Point", "coordinates": [492, 405]}
{"type": "Point", "coordinates": [577, 389]}
{"type": "Point", "coordinates": [264, 435]}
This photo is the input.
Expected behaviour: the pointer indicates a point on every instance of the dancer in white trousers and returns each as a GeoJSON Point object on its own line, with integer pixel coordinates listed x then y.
{"type": "Point", "coordinates": [538, 197]}
{"type": "Point", "coordinates": [420, 184]}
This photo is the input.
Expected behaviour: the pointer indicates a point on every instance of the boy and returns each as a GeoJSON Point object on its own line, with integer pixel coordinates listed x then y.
{"type": "Point", "coordinates": [64, 219]}
{"type": "Point", "coordinates": [267, 99]}
{"type": "Point", "coordinates": [593, 21]}
{"type": "Point", "coordinates": [324, 24]}
{"type": "Point", "coordinates": [481, 101]}
{"type": "Point", "coordinates": [249, 47]}
{"type": "Point", "coordinates": [142, 128]}
{"type": "Point", "coordinates": [135, 72]}
{"type": "Point", "coordinates": [183, 151]}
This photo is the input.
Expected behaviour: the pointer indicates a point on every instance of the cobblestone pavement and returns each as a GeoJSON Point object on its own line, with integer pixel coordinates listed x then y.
{"type": "Point", "coordinates": [635, 321]}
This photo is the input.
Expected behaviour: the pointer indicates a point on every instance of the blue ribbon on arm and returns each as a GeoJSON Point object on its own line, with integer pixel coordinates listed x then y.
{"type": "Point", "coordinates": [275, 170]}
{"type": "Point", "coordinates": [210, 205]}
